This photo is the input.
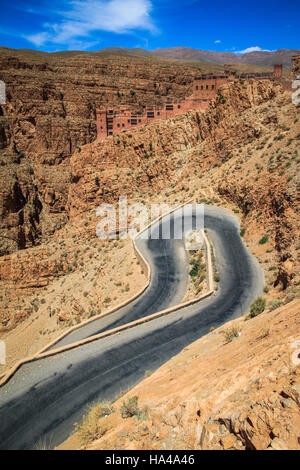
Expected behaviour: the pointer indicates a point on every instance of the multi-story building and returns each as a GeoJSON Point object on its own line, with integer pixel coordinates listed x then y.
{"type": "Point", "coordinates": [205, 88]}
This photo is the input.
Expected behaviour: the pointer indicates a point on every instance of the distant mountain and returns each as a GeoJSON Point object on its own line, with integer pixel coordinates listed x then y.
{"type": "Point", "coordinates": [282, 56]}
{"type": "Point", "coordinates": [125, 51]}
{"type": "Point", "coordinates": [262, 58]}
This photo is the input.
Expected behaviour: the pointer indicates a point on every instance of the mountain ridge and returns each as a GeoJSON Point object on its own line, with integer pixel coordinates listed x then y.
{"type": "Point", "coordinates": [262, 58]}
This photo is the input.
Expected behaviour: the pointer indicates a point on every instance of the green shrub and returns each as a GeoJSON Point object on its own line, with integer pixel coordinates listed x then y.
{"type": "Point", "coordinates": [221, 98]}
{"type": "Point", "coordinates": [263, 240]}
{"type": "Point", "coordinates": [257, 307]}
{"type": "Point", "coordinates": [90, 429]}
{"type": "Point", "coordinates": [129, 407]}
{"type": "Point", "coordinates": [231, 333]}
{"type": "Point", "coordinates": [194, 271]}
{"type": "Point", "coordinates": [274, 304]}
{"type": "Point", "coordinates": [242, 232]}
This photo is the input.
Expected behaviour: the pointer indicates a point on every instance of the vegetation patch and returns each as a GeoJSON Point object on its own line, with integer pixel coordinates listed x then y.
{"type": "Point", "coordinates": [198, 269]}
{"type": "Point", "coordinates": [231, 333]}
{"type": "Point", "coordinates": [129, 407]}
{"type": "Point", "coordinates": [263, 240]}
{"type": "Point", "coordinates": [257, 307]}
{"type": "Point", "coordinates": [91, 428]}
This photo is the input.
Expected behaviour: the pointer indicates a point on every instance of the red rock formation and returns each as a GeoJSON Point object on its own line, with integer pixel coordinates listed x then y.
{"type": "Point", "coordinates": [114, 121]}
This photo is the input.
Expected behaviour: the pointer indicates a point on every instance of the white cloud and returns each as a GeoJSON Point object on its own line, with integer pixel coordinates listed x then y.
{"type": "Point", "coordinates": [38, 39]}
{"type": "Point", "coordinates": [84, 17]}
{"type": "Point", "coordinates": [252, 49]}
{"type": "Point", "coordinates": [218, 41]}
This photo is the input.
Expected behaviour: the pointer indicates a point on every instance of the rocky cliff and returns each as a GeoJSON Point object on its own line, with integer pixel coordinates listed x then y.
{"type": "Point", "coordinates": [240, 135]}
{"type": "Point", "coordinates": [50, 113]}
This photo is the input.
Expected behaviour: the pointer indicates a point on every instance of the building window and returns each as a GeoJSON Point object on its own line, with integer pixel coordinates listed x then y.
{"type": "Point", "coordinates": [123, 124]}
{"type": "Point", "coordinates": [128, 121]}
{"type": "Point", "coordinates": [158, 113]}
{"type": "Point", "coordinates": [118, 125]}
{"type": "Point", "coordinates": [169, 107]}
{"type": "Point", "coordinates": [197, 87]}
{"type": "Point", "coordinates": [150, 114]}
{"type": "Point", "coordinates": [201, 87]}
{"type": "Point", "coordinates": [140, 120]}
{"type": "Point", "coordinates": [207, 87]}
{"type": "Point", "coordinates": [213, 87]}
{"type": "Point", "coordinates": [179, 106]}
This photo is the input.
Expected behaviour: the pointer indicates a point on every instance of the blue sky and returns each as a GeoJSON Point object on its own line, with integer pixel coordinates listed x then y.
{"type": "Point", "coordinates": [233, 26]}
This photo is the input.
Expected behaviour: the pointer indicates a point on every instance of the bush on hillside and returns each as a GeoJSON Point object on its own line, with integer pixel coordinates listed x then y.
{"type": "Point", "coordinates": [257, 307]}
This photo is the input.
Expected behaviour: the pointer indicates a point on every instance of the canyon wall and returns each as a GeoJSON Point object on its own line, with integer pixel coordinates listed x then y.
{"type": "Point", "coordinates": [49, 114]}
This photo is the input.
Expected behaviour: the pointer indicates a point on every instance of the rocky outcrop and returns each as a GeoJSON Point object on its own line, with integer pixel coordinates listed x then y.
{"type": "Point", "coordinates": [50, 114]}
{"type": "Point", "coordinates": [271, 421]}
{"type": "Point", "coordinates": [20, 207]}
{"type": "Point", "coordinates": [242, 395]}
{"type": "Point", "coordinates": [51, 99]}
{"type": "Point", "coordinates": [141, 160]}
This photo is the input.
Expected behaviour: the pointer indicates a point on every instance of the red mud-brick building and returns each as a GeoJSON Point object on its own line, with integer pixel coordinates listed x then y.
{"type": "Point", "coordinates": [205, 88]}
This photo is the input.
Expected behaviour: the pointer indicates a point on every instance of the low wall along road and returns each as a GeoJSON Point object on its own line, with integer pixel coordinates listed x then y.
{"type": "Point", "coordinates": [46, 396]}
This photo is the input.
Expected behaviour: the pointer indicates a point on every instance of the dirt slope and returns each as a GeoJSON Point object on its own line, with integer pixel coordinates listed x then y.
{"type": "Point", "coordinates": [244, 394]}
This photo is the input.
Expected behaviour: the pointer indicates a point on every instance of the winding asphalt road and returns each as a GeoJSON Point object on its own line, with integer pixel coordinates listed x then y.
{"type": "Point", "coordinates": [44, 398]}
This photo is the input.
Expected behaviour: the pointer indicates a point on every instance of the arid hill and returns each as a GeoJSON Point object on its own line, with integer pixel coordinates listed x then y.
{"type": "Point", "coordinates": [50, 113]}
{"type": "Point", "coordinates": [242, 154]}
{"type": "Point", "coordinates": [263, 58]}
{"type": "Point", "coordinates": [281, 56]}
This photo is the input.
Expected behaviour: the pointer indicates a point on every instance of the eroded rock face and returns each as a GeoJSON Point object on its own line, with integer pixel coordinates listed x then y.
{"type": "Point", "coordinates": [116, 161]}
{"type": "Point", "coordinates": [51, 99]}
{"type": "Point", "coordinates": [20, 207]}
{"type": "Point", "coordinates": [32, 201]}
{"type": "Point", "coordinates": [50, 113]}
{"type": "Point", "coordinates": [273, 198]}
{"type": "Point", "coordinates": [142, 161]}
{"type": "Point", "coordinates": [296, 65]}
{"type": "Point", "coordinates": [272, 421]}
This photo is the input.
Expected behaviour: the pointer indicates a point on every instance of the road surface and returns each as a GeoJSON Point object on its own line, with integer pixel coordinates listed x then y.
{"type": "Point", "coordinates": [44, 398]}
